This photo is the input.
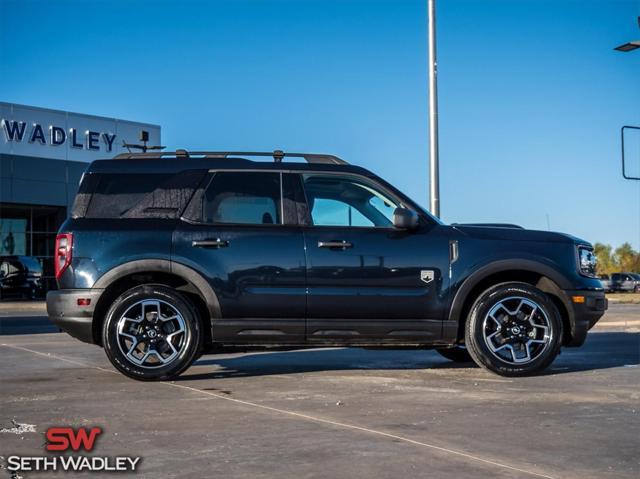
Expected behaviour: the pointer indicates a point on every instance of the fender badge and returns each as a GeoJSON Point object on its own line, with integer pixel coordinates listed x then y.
{"type": "Point", "coordinates": [427, 275]}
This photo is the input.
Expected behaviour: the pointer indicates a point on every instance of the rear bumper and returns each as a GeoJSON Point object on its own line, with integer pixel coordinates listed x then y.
{"type": "Point", "coordinates": [64, 311]}
{"type": "Point", "coordinates": [585, 314]}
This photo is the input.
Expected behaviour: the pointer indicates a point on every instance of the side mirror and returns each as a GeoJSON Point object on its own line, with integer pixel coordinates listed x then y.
{"type": "Point", "coordinates": [405, 219]}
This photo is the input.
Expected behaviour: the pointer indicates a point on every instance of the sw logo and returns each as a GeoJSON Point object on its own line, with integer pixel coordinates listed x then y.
{"type": "Point", "coordinates": [427, 275]}
{"type": "Point", "coordinates": [64, 438]}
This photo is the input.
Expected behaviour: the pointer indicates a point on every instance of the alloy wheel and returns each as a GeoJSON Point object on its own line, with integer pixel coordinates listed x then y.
{"type": "Point", "coordinates": [516, 330]}
{"type": "Point", "coordinates": [151, 333]}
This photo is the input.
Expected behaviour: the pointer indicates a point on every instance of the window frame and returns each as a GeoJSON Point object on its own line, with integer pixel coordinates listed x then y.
{"type": "Point", "coordinates": [200, 196]}
{"type": "Point", "coordinates": [370, 182]}
{"type": "Point", "coordinates": [298, 206]}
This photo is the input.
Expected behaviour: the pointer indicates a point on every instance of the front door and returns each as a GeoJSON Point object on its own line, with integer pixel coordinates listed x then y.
{"type": "Point", "coordinates": [366, 279]}
{"type": "Point", "coordinates": [243, 241]}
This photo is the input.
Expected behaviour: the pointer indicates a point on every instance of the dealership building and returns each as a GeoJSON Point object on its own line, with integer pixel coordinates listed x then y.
{"type": "Point", "coordinates": [43, 154]}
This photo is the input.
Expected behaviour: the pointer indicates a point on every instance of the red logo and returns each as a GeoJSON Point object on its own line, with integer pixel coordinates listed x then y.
{"type": "Point", "coordinates": [63, 438]}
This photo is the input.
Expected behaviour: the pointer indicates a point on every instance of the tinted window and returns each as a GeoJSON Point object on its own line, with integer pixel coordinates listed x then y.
{"type": "Point", "coordinates": [347, 201]}
{"type": "Point", "coordinates": [243, 198]}
{"type": "Point", "coordinates": [136, 195]}
{"type": "Point", "coordinates": [117, 194]}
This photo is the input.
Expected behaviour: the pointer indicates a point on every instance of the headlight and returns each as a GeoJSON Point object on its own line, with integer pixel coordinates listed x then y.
{"type": "Point", "coordinates": [586, 261]}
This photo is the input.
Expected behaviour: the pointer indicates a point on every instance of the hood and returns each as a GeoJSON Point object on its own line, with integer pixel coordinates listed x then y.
{"type": "Point", "coordinates": [494, 231]}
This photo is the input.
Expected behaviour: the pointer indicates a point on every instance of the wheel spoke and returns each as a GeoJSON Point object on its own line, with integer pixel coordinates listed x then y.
{"type": "Point", "coordinates": [496, 320]}
{"type": "Point", "coordinates": [492, 335]}
{"type": "Point", "coordinates": [506, 346]}
{"type": "Point", "coordinates": [528, 351]}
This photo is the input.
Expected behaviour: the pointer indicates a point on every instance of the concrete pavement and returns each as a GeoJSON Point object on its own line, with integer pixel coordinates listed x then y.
{"type": "Point", "coordinates": [337, 412]}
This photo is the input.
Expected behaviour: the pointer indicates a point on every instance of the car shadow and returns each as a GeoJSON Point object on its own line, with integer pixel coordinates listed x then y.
{"type": "Point", "coordinates": [601, 351]}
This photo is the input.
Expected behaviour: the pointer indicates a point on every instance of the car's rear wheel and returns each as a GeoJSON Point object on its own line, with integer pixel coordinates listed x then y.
{"type": "Point", "coordinates": [457, 354]}
{"type": "Point", "coordinates": [513, 329]}
{"type": "Point", "coordinates": [152, 333]}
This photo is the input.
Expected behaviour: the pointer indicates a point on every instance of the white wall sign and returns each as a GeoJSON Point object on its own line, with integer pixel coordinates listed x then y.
{"type": "Point", "coordinates": [31, 131]}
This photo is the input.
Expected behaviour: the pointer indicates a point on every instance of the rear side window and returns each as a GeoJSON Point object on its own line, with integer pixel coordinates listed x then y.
{"type": "Point", "coordinates": [243, 198]}
{"type": "Point", "coordinates": [115, 195]}
{"type": "Point", "coordinates": [136, 195]}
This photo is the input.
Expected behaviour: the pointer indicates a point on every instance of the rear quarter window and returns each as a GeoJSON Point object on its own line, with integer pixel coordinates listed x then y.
{"type": "Point", "coordinates": [137, 195]}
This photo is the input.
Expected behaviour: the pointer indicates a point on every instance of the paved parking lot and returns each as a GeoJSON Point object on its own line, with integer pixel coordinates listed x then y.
{"type": "Point", "coordinates": [336, 412]}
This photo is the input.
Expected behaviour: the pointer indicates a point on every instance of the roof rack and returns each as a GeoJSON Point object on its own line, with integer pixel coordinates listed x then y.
{"type": "Point", "coordinates": [277, 155]}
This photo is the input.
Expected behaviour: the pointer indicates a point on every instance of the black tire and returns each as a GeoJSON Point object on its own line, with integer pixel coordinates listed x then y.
{"type": "Point", "coordinates": [183, 332]}
{"type": "Point", "coordinates": [513, 354]}
{"type": "Point", "coordinates": [457, 354]}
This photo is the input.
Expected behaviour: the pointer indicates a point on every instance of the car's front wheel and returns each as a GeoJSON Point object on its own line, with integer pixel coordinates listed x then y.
{"type": "Point", "coordinates": [152, 333]}
{"type": "Point", "coordinates": [514, 329]}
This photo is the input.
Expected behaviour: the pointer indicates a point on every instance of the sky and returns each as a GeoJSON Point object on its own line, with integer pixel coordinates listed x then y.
{"type": "Point", "coordinates": [532, 95]}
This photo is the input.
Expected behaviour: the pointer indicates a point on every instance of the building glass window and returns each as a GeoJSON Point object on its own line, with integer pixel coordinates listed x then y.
{"type": "Point", "coordinates": [28, 230]}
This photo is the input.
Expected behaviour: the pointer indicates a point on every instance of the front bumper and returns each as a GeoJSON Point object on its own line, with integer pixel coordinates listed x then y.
{"type": "Point", "coordinates": [584, 313]}
{"type": "Point", "coordinates": [76, 320]}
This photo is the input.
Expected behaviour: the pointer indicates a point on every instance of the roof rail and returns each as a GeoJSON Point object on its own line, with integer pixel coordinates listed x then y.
{"type": "Point", "coordinates": [277, 155]}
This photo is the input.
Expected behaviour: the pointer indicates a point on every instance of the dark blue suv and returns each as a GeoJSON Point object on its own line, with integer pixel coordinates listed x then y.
{"type": "Point", "coordinates": [167, 256]}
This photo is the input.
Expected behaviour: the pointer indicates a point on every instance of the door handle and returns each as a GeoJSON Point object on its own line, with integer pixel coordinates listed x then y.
{"type": "Point", "coordinates": [335, 244]}
{"type": "Point", "coordinates": [216, 243]}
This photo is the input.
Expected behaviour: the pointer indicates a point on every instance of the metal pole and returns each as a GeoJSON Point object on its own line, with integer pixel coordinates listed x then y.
{"type": "Point", "coordinates": [434, 163]}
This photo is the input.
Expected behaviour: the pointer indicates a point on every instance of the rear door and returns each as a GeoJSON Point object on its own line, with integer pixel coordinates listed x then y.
{"type": "Point", "coordinates": [241, 236]}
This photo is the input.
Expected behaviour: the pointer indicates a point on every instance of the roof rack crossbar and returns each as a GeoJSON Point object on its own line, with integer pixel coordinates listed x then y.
{"type": "Point", "coordinates": [277, 155]}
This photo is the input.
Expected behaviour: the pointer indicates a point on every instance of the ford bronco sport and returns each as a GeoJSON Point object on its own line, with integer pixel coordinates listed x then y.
{"type": "Point", "coordinates": [167, 256]}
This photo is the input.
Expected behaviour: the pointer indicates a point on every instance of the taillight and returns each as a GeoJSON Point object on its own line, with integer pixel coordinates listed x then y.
{"type": "Point", "coordinates": [64, 245]}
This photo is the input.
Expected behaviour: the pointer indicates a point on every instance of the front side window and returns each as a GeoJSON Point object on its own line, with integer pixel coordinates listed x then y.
{"type": "Point", "coordinates": [243, 198]}
{"type": "Point", "coordinates": [347, 201]}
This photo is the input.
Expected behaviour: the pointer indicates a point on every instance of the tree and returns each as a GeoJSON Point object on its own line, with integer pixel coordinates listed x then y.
{"type": "Point", "coordinates": [606, 263]}
{"type": "Point", "coordinates": [626, 258]}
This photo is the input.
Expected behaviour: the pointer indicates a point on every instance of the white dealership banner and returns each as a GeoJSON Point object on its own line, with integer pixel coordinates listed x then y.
{"type": "Point", "coordinates": [62, 135]}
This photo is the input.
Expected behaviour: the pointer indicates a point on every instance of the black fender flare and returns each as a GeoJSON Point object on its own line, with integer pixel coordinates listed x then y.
{"type": "Point", "coordinates": [188, 274]}
{"type": "Point", "coordinates": [499, 266]}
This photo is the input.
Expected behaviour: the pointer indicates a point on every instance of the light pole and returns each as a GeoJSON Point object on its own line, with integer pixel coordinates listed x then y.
{"type": "Point", "coordinates": [434, 163]}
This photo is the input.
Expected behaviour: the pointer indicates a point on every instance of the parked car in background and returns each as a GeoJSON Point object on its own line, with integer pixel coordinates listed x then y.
{"type": "Point", "coordinates": [625, 282]}
{"type": "Point", "coordinates": [20, 276]}
{"type": "Point", "coordinates": [606, 282]}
